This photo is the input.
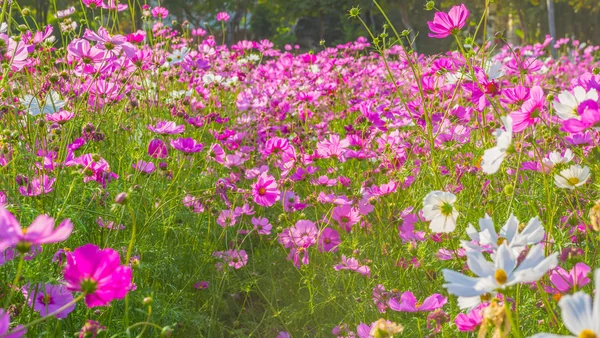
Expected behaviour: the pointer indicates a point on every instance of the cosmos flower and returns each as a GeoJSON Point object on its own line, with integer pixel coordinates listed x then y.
{"type": "Point", "coordinates": [352, 264]}
{"type": "Point", "coordinates": [567, 104]}
{"type": "Point", "coordinates": [167, 127]}
{"type": "Point", "coordinates": [438, 208]}
{"type": "Point", "coordinates": [572, 177]}
{"type": "Point", "coordinates": [502, 272]}
{"type": "Point", "coordinates": [446, 24]}
{"type": "Point", "coordinates": [97, 273]}
{"type": "Point", "coordinates": [5, 324]}
{"type": "Point", "coordinates": [580, 315]}
{"type": "Point", "coordinates": [408, 303]}
{"type": "Point", "coordinates": [488, 239]}
{"type": "Point", "coordinates": [493, 157]}
{"type": "Point", "coordinates": [187, 145]}
{"type": "Point", "coordinates": [51, 104]}
{"type": "Point", "coordinates": [41, 231]}
{"type": "Point", "coordinates": [47, 298]}
{"type": "Point", "coordinates": [264, 191]}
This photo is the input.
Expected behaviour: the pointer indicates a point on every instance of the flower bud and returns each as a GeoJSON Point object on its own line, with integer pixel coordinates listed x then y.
{"type": "Point", "coordinates": [121, 198]}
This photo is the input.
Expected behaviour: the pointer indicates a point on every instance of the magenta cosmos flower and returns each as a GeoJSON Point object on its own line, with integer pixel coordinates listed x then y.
{"type": "Point", "coordinates": [222, 16]}
{"type": "Point", "coordinates": [47, 298]}
{"type": "Point", "coordinates": [187, 145]}
{"type": "Point", "coordinates": [41, 231]}
{"type": "Point", "coordinates": [5, 324]}
{"type": "Point", "coordinates": [167, 127]}
{"type": "Point", "coordinates": [408, 303]}
{"type": "Point", "coordinates": [157, 149]}
{"type": "Point", "coordinates": [446, 24]}
{"type": "Point", "coordinates": [144, 167]}
{"type": "Point", "coordinates": [97, 273]}
{"type": "Point", "coordinates": [329, 240]}
{"type": "Point", "coordinates": [352, 264]}
{"type": "Point", "coordinates": [264, 191]}
{"type": "Point", "coordinates": [38, 186]}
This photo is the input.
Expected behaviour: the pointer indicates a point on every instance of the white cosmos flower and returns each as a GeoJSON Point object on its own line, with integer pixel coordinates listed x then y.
{"type": "Point", "coordinates": [499, 274]}
{"type": "Point", "coordinates": [178, 55]}
{"type": "Point", "coordinates": [487, 238]}
{"type": "Point", "coordinates": [557, 157]}
{"type": "Point", "coordinates": [3, 27]}
{"type": "Point", "coordinates": [566, 106]}
{"type": "Point", "coordinates": [51, 104]}
{"type": "Point", "coordinates": [209, 78]}
{"type": "Point", "coordinates": [572, 177]}
{"type": "Point", "coordinates": [493, 157]}
{"type": "Point", "coordinates": [438, 207]}
{"type": "Point", "coordinates": [580, 316]}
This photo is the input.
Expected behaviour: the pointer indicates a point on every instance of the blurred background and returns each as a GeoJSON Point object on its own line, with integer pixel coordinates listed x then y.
{"type": "Point", "coordinates": [307, 22]}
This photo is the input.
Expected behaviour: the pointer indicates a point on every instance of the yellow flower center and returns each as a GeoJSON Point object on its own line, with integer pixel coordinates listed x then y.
{"type": "Point", "coordinates": [573, 180]}
{"type": "Point", "coordinates": [446, 209]}
{"type": "Point", "coordinates": [501, 240]}
{"type": "Point", "coordinates": [262, 191]}
{"type": "Point", "coordinates": [587, 334]}
{"type": "Point", "coordinates": [501, 276]}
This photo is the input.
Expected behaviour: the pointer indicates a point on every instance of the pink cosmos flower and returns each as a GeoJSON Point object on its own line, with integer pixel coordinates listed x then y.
{"type": "Point", "coordinates": [262, 225]}
{"type": "Point", "coordinates": [223, 16]}
{"type": "Point", "coordinates": [406, 230]}
{"type": "Point", "coordinates": [589, 116]}
{"type": "Point", "coordinates": [144, 167]}
{"type": "Point", "coordinates": [530, 112]}
{"type": "Point", "coordinates": [446, 24]}
{"type": "Point", "coordinates": [167, 127]}
{"type": "Point", "coordinates": [187, 145]}
{"type": "Point", "coordinates": [157, 149]}
{"type": "Point", "coordinates": [5, 324]}
{"type": "Point", "coordinates": [329, 240]}
{"type": "Point", "coordinates": [237, 259]}
{"type": "Point", "coordinates": [304, 233]}
{"type": "Point", "coordinates": [97, 273]}
{"type": "Point", "coordinates": [47, 298]}
{"type": "Point", "coordinates": [346, 216]}
{"type": "Point", "coordinates": [564, 282]}
{"type": "Point", "coordinates": [276, 145]}
{"type": "Point", "coordinates": [80, 49]}
{"type": "Point", "coordinates": [201, 285]}
{"type": "Point", "coordinates": [352, 264]}
{"type": "Point", "coordinates": [65, 12]}
{"type": "Point", "coordinates": [93, 3]}
{"type": "Point", "coordinates": [193, 203]}
{"type": "Point", "coordinates": [3, 199]}
{"type": "Point", "coordinates": [264, 190]}
{"type": "Point", "coordinates": [226, 218]}
{"type": "Point", "coordinates": [41, 231]}
{"type": "Point", "coordinates": [16, 53]}
{"type": "Point", "coordinates": [115, 5]}
{"type": "Point", "coordinates": [109, 225]}
{"type": "Point", "coordinates": [160, 12]}
{"type": "Point", "coordinates": [90, 329]}
{"type": "Point", "coordinates": [472, 320]}
{"type": "Point", "coordinates": [408, 303]}
{"type": "Point", "coordinates": [112, 44]}
{"type": "Point", "coordinates": [60, 117]}
{"type": "Point", "coordinates": [40, 185]}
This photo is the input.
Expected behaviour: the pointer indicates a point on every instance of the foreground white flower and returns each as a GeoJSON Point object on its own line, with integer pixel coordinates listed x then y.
{"type": "Point", "coordinates": [572, 177]}
{"type": "Point", "coordinates": [488, 239]}
{"type": "Point", "coordinates": [580, 316]}
{"type": "Point", "coordinates": [567, 104]}
{"type": "Point", "coordinates": [499, 274]}
{"type": "Point", "coordinates": [52, 103]}
{"type": "Point", "coordinates": [438, 207]}
{"type": "Point", "coordinates": [493, 157]}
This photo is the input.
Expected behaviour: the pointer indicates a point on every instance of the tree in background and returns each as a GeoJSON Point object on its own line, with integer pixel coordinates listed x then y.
{"type": "Point", "coordinates": [308, 22]}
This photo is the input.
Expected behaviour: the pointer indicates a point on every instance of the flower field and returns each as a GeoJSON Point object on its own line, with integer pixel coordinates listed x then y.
{"type": "Point", "coordinates": [162, 184]}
